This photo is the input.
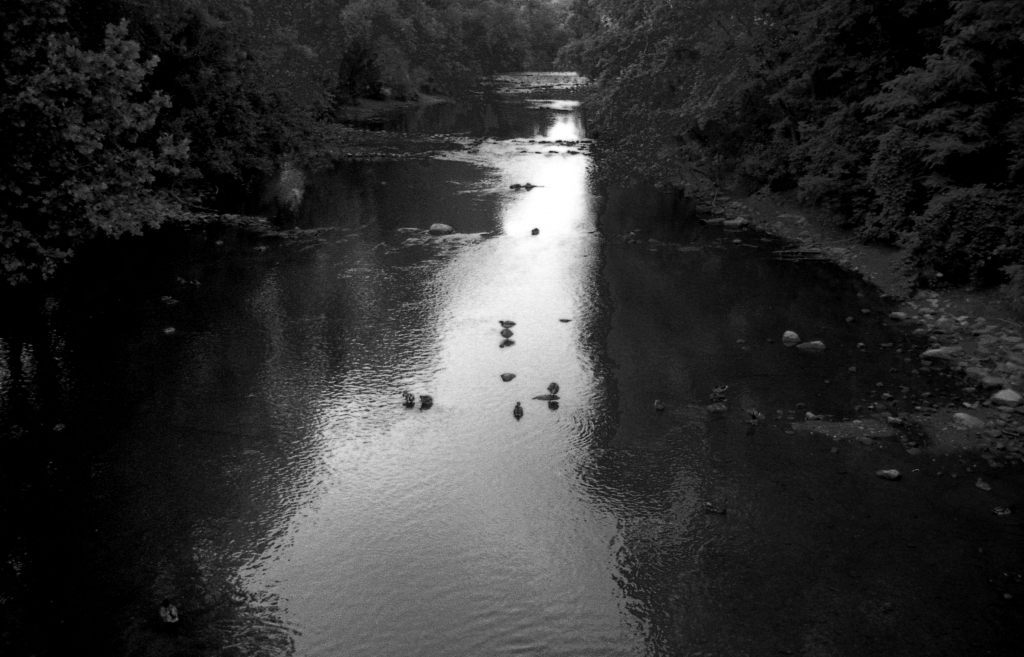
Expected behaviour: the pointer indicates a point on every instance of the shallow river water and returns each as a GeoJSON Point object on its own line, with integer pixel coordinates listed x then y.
{"type": "Point", "coordinates": [257, 465]}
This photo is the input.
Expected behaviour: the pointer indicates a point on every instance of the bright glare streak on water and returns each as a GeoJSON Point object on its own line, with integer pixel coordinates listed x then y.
{"type": "Point", "coordinates": [458, 530]}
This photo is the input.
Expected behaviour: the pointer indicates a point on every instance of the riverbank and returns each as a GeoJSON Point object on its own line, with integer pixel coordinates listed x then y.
{"type": "Point", "coordinates": [974, 335]}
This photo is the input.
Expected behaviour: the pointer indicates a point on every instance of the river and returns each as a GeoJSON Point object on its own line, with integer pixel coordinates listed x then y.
{"type": "Point", "coordinates": [257, 466]}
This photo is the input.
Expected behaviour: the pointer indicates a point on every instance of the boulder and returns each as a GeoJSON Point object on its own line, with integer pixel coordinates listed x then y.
{"type": "Point", "coordinates": [814, 345]}
{"type": "Point", "coordinates": [440, 229]}
{"type": "Point", "coordinates": [1006, 397]}
{"type": "Point", "coordinates": [790, 338]}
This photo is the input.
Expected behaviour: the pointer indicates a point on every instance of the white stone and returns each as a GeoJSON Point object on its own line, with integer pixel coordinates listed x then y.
{"type": "Point", "coordinates": [941, 353]}
{"type": "Point", "coordinates": [1006, 397]}
{"type": "Point", "coordinates": [440, 229]}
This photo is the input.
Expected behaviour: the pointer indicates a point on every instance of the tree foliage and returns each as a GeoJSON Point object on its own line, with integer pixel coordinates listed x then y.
{"type": "Point", "coordinates": [79, 157]}
{"type": "Point", "coordinates": [904, 117]}
{"type": "Point", "coordinates": [119, 115]}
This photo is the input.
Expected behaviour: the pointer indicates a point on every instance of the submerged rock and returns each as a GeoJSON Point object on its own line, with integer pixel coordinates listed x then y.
{"type": "Point", "coordinates": [867, 428]}
{"type": "Point", "coordinates": [968, 422]}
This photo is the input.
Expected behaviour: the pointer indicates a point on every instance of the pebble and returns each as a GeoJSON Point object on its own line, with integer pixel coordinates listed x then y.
{"type": "Point", "coordinates": [891, 475]}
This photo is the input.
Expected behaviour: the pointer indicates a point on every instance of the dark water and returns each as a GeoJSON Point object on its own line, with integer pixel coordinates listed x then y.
{"type": "Point", "coordinates": [256, 465]}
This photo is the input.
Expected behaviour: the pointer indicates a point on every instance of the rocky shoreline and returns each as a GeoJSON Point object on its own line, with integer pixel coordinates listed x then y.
{"type": "Point", "coordinates": [984, 355]}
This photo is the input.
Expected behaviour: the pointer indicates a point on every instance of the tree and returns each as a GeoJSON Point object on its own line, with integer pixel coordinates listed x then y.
{"type": "Point", "coordinates": [80, 157]}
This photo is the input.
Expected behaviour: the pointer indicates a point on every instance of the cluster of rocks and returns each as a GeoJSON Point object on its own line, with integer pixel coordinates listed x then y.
{"type": "Point", "coordinates": [989, 357]}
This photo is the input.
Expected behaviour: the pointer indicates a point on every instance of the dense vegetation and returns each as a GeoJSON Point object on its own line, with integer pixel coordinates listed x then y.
{"type": "Point", "coordinates": [118, 115]}
{"type": "Point", "coordinates": [905, 117]}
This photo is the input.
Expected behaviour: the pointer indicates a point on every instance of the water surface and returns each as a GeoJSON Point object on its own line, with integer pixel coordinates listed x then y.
{"type": "Point", "coordinates": [257, 466]}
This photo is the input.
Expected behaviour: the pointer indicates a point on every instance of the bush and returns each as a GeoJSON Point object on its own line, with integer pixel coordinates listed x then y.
{"type": "Point", "coordinates": [969, 233]}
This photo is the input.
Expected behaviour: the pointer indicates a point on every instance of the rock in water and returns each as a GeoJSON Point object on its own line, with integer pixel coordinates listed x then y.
{"type": "Point", "coordinates": [1006, 398]}
{"type": "Point", "coordinates": [790, 338]}
{"type": "Point", "coordinates": [505, 333]}
{"type": "Point", "coordinates": [941, 353]}
{"type": "Point", "coordinates": [507, 376]}
{"type": "Point", "coordinates": [891, 475]}
{"type": "Point", "coordinates": [813, 345]}
{"type": "Point", "coordinates": [440, 229]}
{"type": "Point", "coordinates": [535, 231]}
{"type": "Point", "coordinates": [968, 421]}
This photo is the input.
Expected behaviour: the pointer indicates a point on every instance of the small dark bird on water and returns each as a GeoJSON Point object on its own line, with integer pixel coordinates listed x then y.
{"type": "Point", "coordinates": [505, 333]}
{"type": "Point", "coordinates": [553, 388]}
{"type": "Point", "coordinates": [658, 406]}
{"type": "Point", "coordinates": [518, 411]}
{"type": "Point", "coordinates": [409, 399]}
{"type": "Point", "coordinates": [426, 401]}
{"type": "Point", "coordinates": [535, 231]}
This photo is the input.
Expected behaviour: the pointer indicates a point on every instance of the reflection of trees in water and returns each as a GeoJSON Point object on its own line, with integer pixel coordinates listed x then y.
{"type": "Point", "coordinates": [184, 456]}
{"type": "Point", "coordinates": [684, 322]}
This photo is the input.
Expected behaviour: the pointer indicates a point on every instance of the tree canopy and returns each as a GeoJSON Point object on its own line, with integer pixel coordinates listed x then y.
{"type": "Point", "coordinates": [119, 115]}
{"type": "Point", "coordinates": [905, 117]}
